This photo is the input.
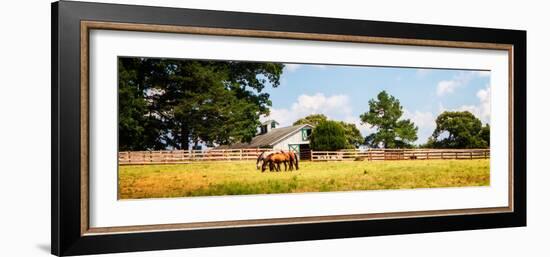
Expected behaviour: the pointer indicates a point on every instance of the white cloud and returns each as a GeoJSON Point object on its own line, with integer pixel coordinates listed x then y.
{"type": "Point", "coordinates": [482, 110]}
{"type": "Point", "coordinates": [421, 119]}
{"type": "Point", "coordinates": [425, 121]}
{"type": "Point", "coordinates": [335, 107]}
{"type": "Point", "coordinates": [461, 79]}
{"type": "Point", "coordinates": [484, 96]}
{"type": "Point", "coordinates": [447, 87]}
{"type": "Point", "coordinates": [365, 129]}
{"type": "Point", "coordinates": [319, 102]}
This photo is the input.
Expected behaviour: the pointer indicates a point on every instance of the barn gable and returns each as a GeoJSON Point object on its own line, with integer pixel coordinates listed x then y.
{"type": "Point", "coordinates": [275, 137]}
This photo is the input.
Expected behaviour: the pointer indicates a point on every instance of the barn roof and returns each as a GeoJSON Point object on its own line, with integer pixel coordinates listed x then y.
{"type": "Point", "coordinates": [268, 139]}
{"type": "Point", "coordinates": [268, 122]}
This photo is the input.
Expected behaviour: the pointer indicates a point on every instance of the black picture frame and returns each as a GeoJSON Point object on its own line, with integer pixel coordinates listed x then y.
{"type": "Point", "coordinates": [66, 235]}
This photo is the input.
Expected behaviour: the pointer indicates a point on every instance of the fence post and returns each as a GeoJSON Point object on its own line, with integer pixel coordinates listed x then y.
{"type": "Point", "coordinates": [471, 155]}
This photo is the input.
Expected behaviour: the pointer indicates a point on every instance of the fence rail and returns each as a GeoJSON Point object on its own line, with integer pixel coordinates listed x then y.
{"type": "Point", "coordinates": [187, 156]}
{"type": "Point", "coordinates": [400, 154]}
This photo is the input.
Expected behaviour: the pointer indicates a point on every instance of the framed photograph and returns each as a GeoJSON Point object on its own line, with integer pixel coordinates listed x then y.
{"type": "Point", "coordinates": [179, 128]}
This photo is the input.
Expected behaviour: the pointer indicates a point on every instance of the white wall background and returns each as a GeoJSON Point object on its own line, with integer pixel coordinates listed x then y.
{"type": "Point", "coordinates": [25, 127]}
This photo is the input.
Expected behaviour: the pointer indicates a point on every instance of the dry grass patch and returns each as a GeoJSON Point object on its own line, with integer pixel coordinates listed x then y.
{"type": "Point", "coordinates": [241, 178]}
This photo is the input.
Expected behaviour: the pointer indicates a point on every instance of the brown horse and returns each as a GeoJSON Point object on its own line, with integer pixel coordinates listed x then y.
{"type": "Point", "coordinates": [262, 158]}
{"type": "Point", "coordinates": [292, 159]}
{"type": "Point", "coordinates": [274, 161]}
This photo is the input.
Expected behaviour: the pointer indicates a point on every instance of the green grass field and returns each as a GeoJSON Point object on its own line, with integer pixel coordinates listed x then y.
{"type": "Point", "coordinates": [242, 178]}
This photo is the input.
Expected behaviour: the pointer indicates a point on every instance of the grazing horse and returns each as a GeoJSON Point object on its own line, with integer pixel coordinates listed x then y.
{"type": "Point", "coordinates": [261, 158]}
{"type": "Point", "coordinates": [275, 159]}
{"type": "Point", "coordinates": [292, 160]}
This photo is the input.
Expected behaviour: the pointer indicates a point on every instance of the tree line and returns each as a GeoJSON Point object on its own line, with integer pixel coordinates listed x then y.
{"type": "Point", "coordinates": [454, 129]}
{"type": "Point", "coordinates": [171, 104]}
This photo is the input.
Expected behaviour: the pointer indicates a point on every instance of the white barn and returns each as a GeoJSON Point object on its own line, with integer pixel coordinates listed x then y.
{"type": "Point", "coordinates": [294, 138]}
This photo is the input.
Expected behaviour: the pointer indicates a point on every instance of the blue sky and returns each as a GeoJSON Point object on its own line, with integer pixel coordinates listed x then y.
{"type": "Point", "coordinates": [342, 93]}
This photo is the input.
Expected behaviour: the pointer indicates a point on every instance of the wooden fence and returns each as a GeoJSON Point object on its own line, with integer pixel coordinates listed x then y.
{"type": "Point", "coordinates": [187, 156]}
{"type": "Point", "coordinates": [400, 154]}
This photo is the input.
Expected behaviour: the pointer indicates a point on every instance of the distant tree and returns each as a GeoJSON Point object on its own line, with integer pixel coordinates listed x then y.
{"type": "Point", "coordinates": [353, 135]}
{"type": "Point", "coordinates": [328, 136]}
{"type": "Point", "coordinates": [485, 134]}
{"type": "Point", "coordinates": [459, 130]}
{"type": "Point", "coordinates": [312, 119]}
{"type": "Point", "coordinates": [384, 114]}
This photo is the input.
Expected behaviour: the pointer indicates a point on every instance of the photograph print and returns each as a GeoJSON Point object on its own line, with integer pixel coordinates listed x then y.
{"type": "Point", "coordinates": [190, 128]}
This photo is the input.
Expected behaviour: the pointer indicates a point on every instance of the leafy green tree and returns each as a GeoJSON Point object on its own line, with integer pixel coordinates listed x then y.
{"type": "Point", "coordinates": [353, 136]}
{"type": "Point", "coordinates": [136, 128]}
{"type": "Point", "coordinates": [166, 103]}
{"type": "Point", "coordinates": [312, 119]}
{"type": "Point", "coordinates": [459, 130]}
{"type": "Point", "coordinates": [328, 136]}
{"type": "Point", "coordinates": [485, 134]}
{"type": "Point", "coordinates": [384, 114]}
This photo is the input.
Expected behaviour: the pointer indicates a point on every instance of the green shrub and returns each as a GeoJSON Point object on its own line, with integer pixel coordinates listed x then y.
{"type": "Point", "coordinates": [328, 136]}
